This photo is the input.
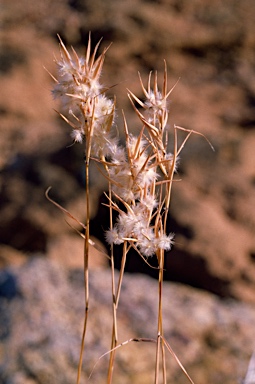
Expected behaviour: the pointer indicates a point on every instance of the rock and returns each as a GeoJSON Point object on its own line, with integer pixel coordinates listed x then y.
{"type": "Point", "coordinates": [213, 338]}
{"type": "Point", "coordinates": [210, 46]}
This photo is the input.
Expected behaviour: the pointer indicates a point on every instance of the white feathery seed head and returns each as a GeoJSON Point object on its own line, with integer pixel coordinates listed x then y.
{"type": "Point", "coordinates": [79, 88]}
{"type": "Point", "coordinates": [133, 171]}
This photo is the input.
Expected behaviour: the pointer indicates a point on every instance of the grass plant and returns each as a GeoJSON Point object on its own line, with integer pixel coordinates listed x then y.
{"type": "Point", "coordinates": [140, 177]}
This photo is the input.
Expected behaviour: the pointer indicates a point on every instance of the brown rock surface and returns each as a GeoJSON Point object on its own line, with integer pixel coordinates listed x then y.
{"type": "Point", "coordinates": [211, 47]}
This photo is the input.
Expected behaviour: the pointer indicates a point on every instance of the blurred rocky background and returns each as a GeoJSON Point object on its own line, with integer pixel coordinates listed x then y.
{"type": "Point", "coordinates": [210, 292]}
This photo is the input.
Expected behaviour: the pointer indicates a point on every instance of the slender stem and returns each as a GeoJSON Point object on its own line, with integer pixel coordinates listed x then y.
{"type": "Point", "coordinates": [163, 358]}
{"type": "Point", "coordinates": [122, 268]}
{"type": "Point", "coordinates": [170, 181]}
{"type": "Point", "coordinates": [86, 269]}
{"type": "Point", "coordinates": [160, 324]}
{"type": "Point", "coordinates": [114, 341]}
{"type": "Point", "coordinates": [157, 360]}
{"type": "Point", "coordinates": [115, 305]}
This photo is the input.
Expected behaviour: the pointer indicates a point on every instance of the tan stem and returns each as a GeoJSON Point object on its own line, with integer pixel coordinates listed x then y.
{"type": "Point", "coordinates": [114, 341]}
{"type": "Point", "coordinates": [86, 270]}
{"type": "Point", "coordinates": [160, 256]}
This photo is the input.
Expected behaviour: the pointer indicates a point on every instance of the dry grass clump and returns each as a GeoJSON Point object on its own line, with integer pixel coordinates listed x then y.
{"type": "Point", "coordinates": [140, 175]}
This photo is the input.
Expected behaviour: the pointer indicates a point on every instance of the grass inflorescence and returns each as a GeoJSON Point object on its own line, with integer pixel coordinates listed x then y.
{"type": "Point", "coordinates": [140, 175]}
